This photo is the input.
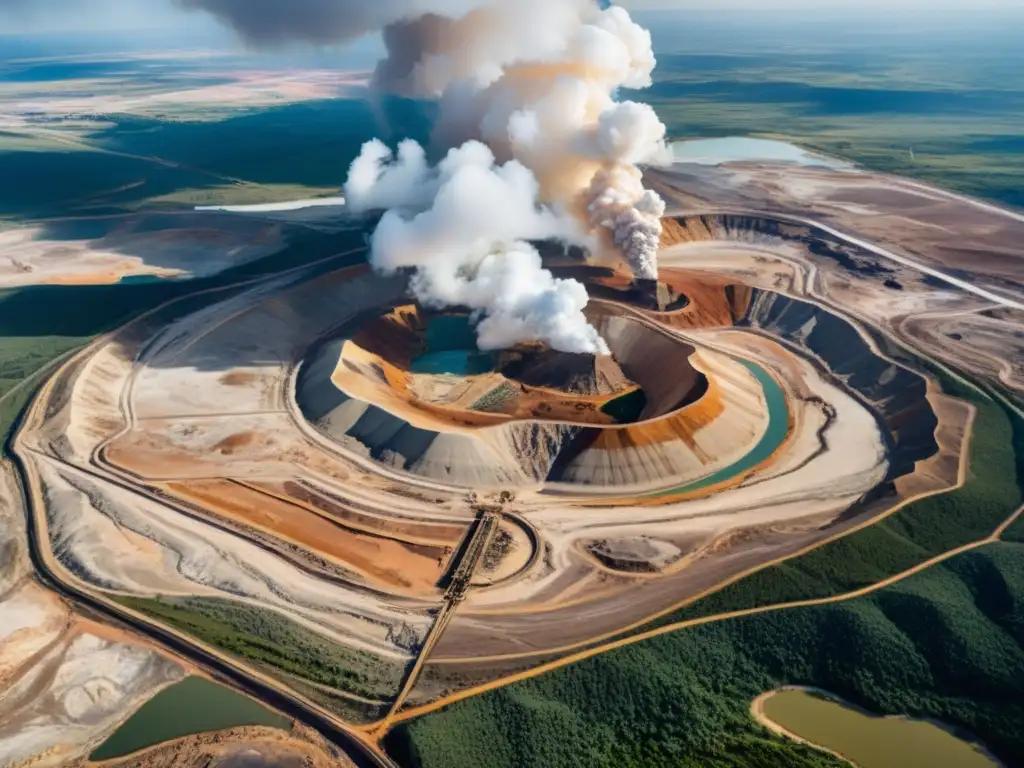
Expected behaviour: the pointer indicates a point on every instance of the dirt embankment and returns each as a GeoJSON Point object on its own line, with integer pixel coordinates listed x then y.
{"type": "Point", "coordinates": [247, 747]}
{"type": "Point", "coordinates": [897, 394]}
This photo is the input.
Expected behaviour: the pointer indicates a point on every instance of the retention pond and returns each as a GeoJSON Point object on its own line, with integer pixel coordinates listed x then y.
{"type": "Point", "coordinates": [195, 705]}
{"type": "Point", "coordinates": [867, 740]}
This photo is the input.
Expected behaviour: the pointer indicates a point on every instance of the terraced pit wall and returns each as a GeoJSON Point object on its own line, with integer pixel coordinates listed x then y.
{"type": "Point", "coordinates": [895, 394]}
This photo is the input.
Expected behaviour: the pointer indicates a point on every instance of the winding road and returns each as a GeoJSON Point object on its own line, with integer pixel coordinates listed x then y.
{"type": "Point", "coordinates": [361, 742]}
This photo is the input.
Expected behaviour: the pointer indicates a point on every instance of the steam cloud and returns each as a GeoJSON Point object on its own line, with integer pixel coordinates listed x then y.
{"type": "Point", "coordinates": [464, 226]}
{"type": "Point", "coordinates": [542, 149]}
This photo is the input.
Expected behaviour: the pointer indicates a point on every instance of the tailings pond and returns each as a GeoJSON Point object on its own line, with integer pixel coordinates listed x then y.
{"type": "Point", "coordinates": [195, 705]}
{"type": "Point", "coordinates": [868, 740]}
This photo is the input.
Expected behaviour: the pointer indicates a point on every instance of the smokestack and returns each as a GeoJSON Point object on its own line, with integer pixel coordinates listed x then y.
{"type": "Point", "coordinates": [539, 147]}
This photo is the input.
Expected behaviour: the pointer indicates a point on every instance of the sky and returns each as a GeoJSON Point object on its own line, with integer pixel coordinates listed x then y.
{"type": "Point", "coordinates": [20, 16]}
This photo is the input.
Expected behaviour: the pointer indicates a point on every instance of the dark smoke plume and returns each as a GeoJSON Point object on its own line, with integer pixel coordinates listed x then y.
{"type": "Point", "coordinates": [320, 22]}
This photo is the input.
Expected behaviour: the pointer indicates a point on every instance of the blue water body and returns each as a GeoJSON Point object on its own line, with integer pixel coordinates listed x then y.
{"type": "Point", "coordinates": [743, 148]}
{"type": "Point", "coordinates": [144, 279]}
{"type": "Point", "coordinates": [456, 362]}
{"type": "Point", "coordinates": [450, 332]}
{"type": "Point", "coordinates": [451, 348]}
{"type": "Point", "coordinates": [778, 428]}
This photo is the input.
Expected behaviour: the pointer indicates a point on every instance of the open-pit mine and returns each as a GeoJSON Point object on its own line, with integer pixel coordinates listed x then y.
{"type": "Point", "coordinates": [328, 487]}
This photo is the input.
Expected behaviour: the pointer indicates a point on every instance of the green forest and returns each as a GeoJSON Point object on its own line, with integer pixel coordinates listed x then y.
{"type": "Point", "coordinates": [947, 643]}
{"type": "Point", "coordinates": [270, 639]}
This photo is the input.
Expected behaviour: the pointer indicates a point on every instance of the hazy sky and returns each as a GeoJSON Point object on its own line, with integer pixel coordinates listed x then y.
{"type": "Point", "coordinates": [17, 16]}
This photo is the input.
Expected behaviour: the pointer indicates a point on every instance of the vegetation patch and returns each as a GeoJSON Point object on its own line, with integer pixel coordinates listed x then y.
{"type": "Point", "coordinates": [496, 399]}
{"type": "Point", "coordinates": [947, 643]}
{"type": "Point", "coordinates": [626, 409]}
{"type": "Point", "coordinates": [269, 639]}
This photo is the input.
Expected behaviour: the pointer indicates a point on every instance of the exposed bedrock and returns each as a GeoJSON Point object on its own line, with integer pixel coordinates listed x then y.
{"type": "Point", "coordinates": [572, 372]}
{"type": "Point", "coordinates": [760, 230]}
{"type": "Point", "coordinates": [896, 394]}
{"type": "Point", "coordinates": [659, 363]}
{"type": "Point", "coordinates": [687, 428]}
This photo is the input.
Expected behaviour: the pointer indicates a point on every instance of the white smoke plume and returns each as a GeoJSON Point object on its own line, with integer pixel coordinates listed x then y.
{"type": "Point", "coordinates": [464, 226]}
{"type": "Point", "coordinates": [534, 81]}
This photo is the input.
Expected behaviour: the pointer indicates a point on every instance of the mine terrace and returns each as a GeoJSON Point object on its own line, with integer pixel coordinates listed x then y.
{"type": "Point", "coordinates": [315, 453]}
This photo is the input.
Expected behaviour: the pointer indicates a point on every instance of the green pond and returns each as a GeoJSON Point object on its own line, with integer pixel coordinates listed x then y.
{"type": "Point", "coordinates": [870, 741]}
{"type": "Point", "coordinates": [195, 705]}
{"type": "Point", "coordinates": [627, 408]}
{"type": "Point", "coordinates": [778, 426]}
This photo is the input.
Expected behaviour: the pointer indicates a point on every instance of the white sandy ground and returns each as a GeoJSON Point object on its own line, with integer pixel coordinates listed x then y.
{"type": "Point", "coordinates": [120, 541]}
{"type": "Point", "coordinates": [92, 99]}
{"type": "Point", "coordinates": [784, 495]}
{"type": "Point", "coordinates": [286, 205]}
{"type": "Point", "coordinates": [75, 698]}
{"type": "Point", "coordinates": [30, 619]}
{"type": "Point", "coordinates": [904, 223]}
{"type": "Point", "coordinates": [62, 689]}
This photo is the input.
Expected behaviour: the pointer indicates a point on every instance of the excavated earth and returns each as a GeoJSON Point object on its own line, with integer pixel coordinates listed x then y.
{"type": "Point", "coordinates": [312, 446]}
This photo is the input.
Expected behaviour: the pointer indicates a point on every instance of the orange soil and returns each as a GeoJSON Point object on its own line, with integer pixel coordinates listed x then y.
{"type": "Point", "coordinates": [231, 443]}
{"type": "Point", "coordinates": [396, 337]}
{"type": "Point", "coordinates": [417, 531]}
{"type": "Point", "coordinates": [714, 301]}
{"type": "Point", "coordinates": [943, 469]}
{"type": "Point", "coordinates": [395, 564]}
{"type": "Point", "coordinates": [380, 381]}
{"type": "Point", "coordinates": [237, 378]}
{"type": "Point", "coordinates": [681, 425]}
{"type": "Point", "coordinates": [97, 278]}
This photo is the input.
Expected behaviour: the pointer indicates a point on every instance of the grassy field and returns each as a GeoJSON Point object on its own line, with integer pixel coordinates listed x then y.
{"type": "Point", "coordinates": [945, 644]}
{"type": "Point", "coordinates": [274, 642]}
{"type": "Point", "coordinates": [944, 106]}
{"type": "Point", "coordinates": [870, 742]}
{"type": "Point", "coordinates": [124, 163]}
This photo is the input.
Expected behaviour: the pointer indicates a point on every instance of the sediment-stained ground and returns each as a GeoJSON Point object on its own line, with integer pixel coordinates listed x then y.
{"type": "Point", "coordinates": [65, 682]}
{"type": "Point", "coordinates": [272, 457]}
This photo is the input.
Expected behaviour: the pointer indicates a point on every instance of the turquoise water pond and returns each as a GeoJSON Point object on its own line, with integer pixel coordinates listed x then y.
{"type": "Point", "coordinates": [456, 362]}
{"type": "Point", "coordinates": [451, 349]}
